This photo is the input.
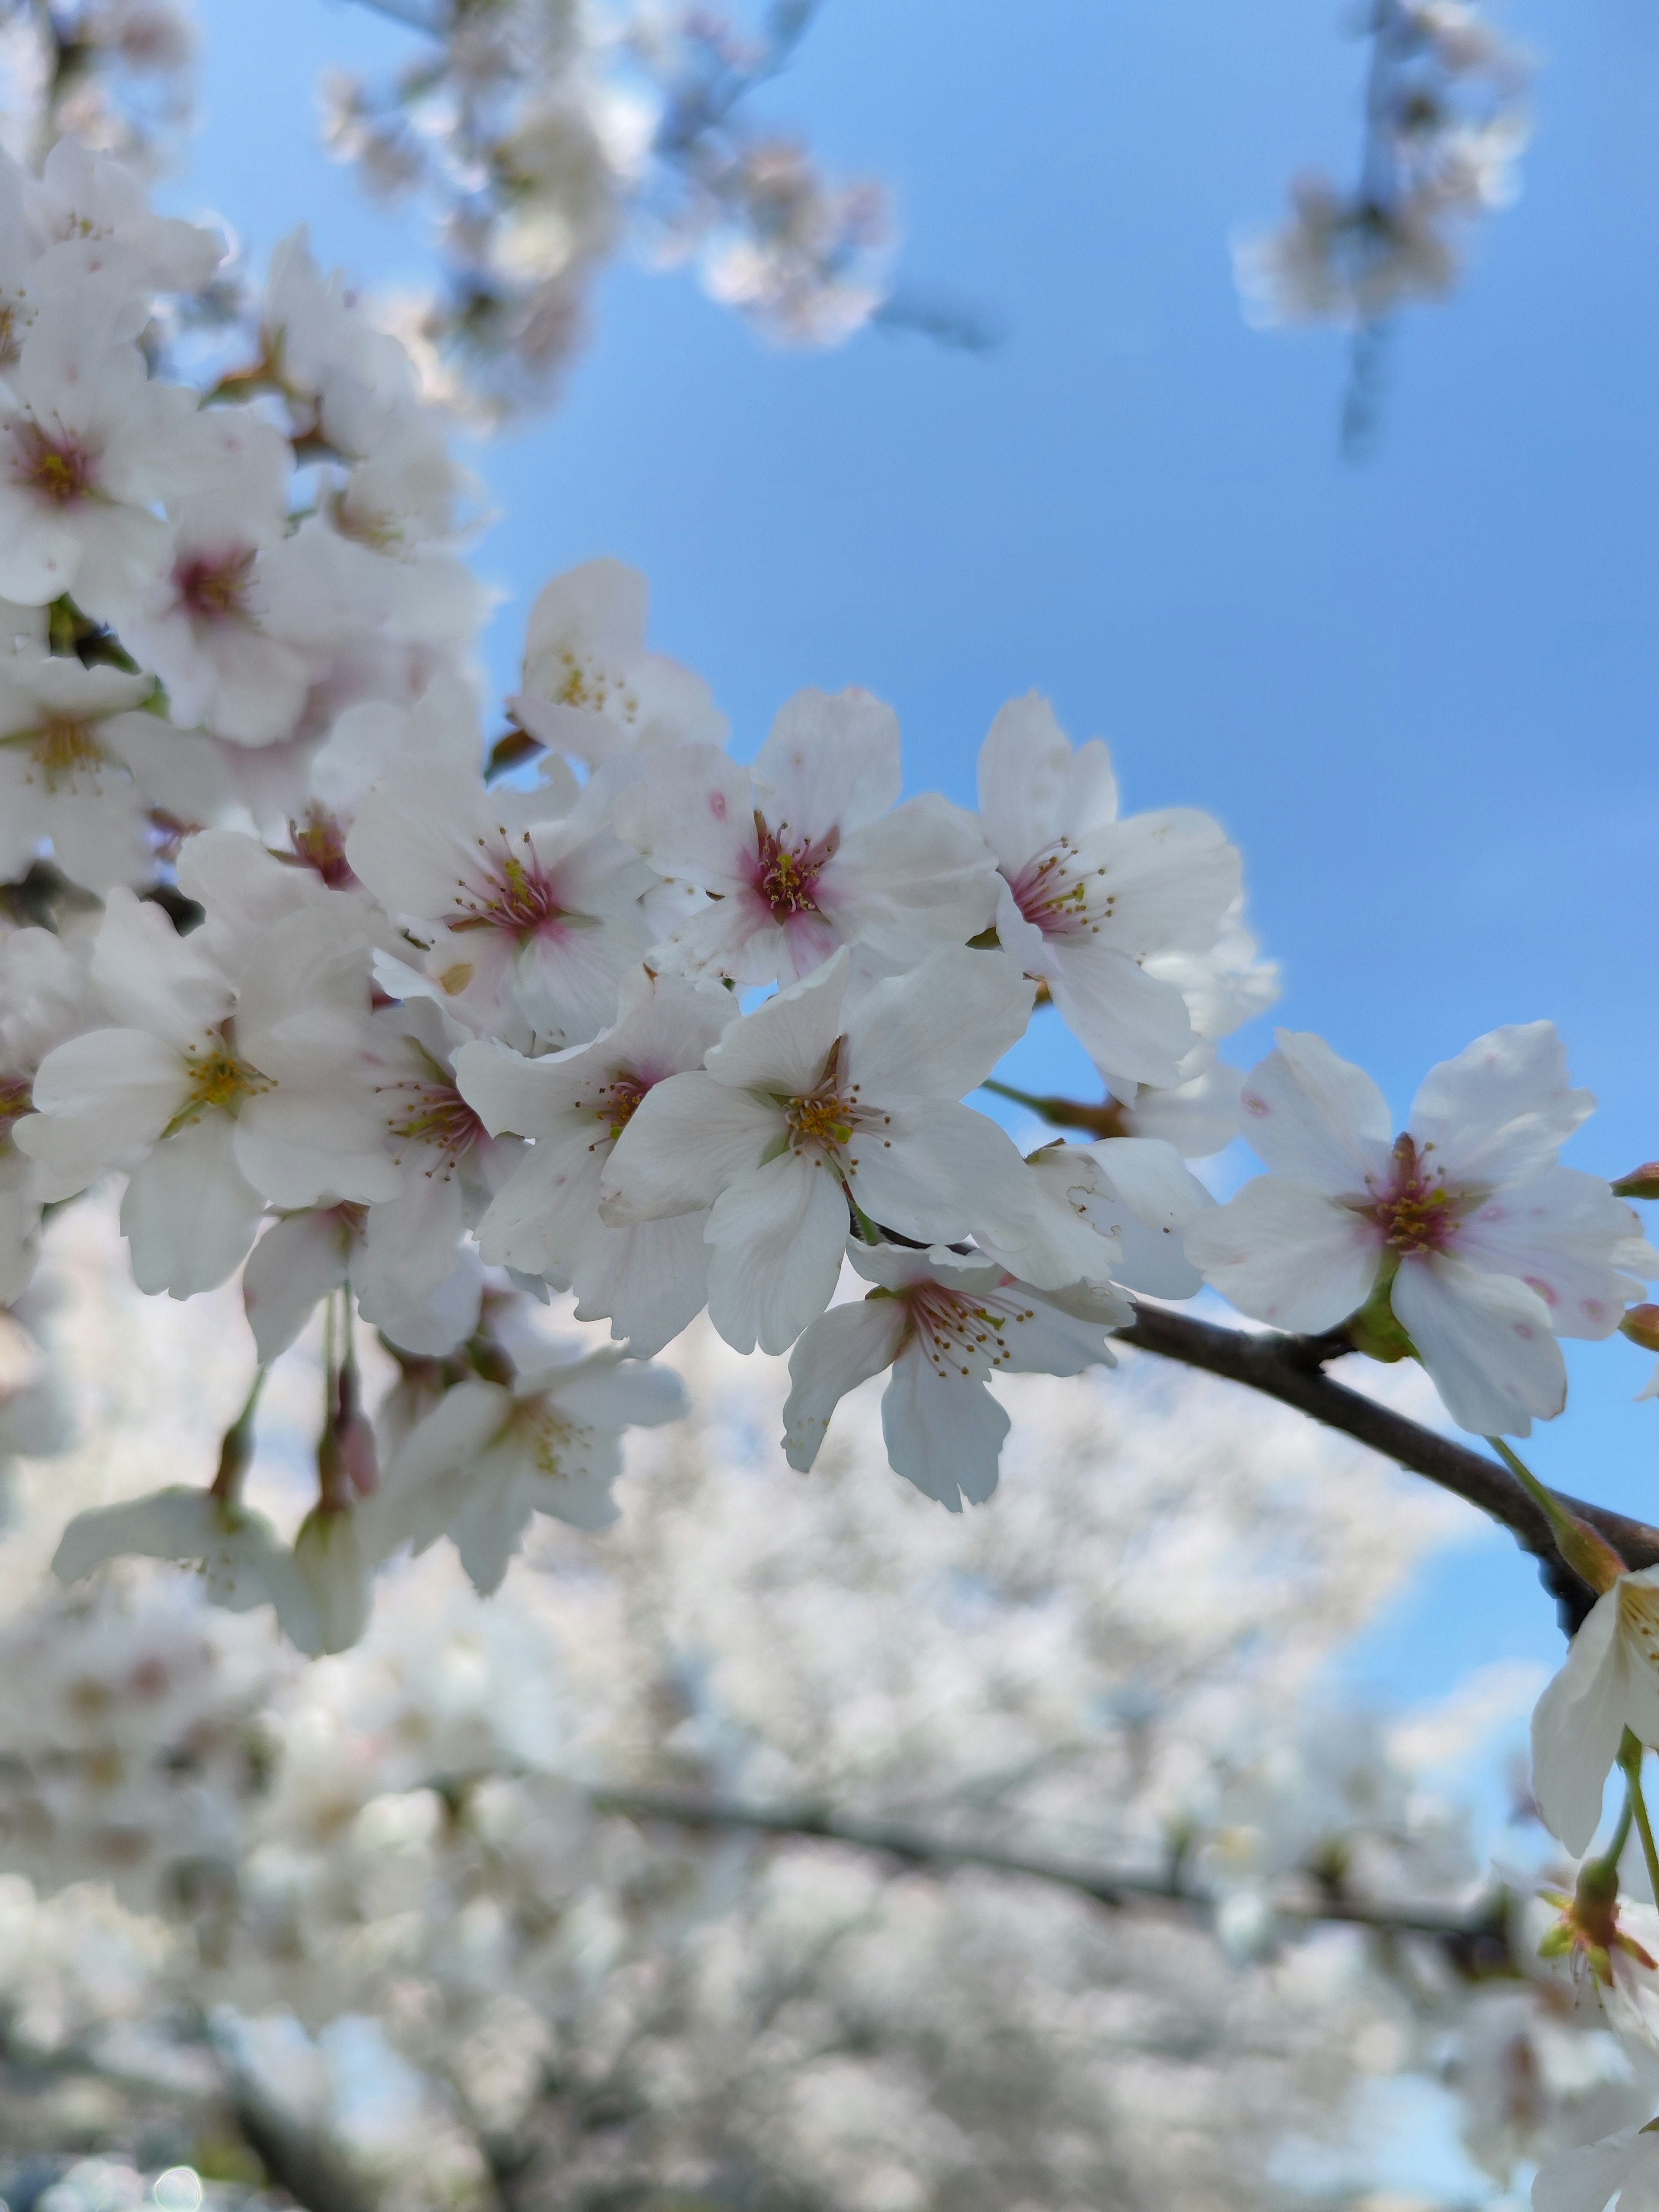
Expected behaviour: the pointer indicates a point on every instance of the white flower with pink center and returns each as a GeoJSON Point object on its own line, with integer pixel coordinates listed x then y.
{"type": "Point", "coordinates": [88, 444]}
{"type": "Point", "coordinates": [945, 1323]}
{"type": "Point", "coordinates": [1485, 1248]}
{"type": "Point", "coordinates": [810, 850]}
{"type": "Point", "coordinates": [825, 1099]}
{"type": "Point", "coordinates": [530, 920]}
{"type": "Point", "coordinates": [1086, 901]}
{"type": "Point", "coordinates": [650, 1280]}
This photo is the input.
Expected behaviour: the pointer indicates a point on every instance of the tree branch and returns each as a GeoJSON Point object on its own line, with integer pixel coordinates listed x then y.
{"type": "Point", "coordinates": [1291, 1369]}
{"type": "Point", "coordinates": [1479, 1932]}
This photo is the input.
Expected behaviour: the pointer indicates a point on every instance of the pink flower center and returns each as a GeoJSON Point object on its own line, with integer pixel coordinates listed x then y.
{"type": "Point", "coordinates": [1418, 1211]}
{"type": "Point", "coordinates": [786, 876]}
{"type": "Point", "coordinates": [1059, 894]}
{"type": "Point", "coordinates": [518, 897]}
{"type": "Point", "coordinates": [60, 469]}
{"type": "Point", "coordinates": [215, 588]}
{"type": "Point", "coordinates": [437, 1116]}
{"type": "Point", "coordinates": [319, 843]}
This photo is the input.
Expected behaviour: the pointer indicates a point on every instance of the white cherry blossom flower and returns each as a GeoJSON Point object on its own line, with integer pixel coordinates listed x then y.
{"type": "Point", "coordinates": [83, 194]}
{"type": "Point", "coordinates": [487, 1456]}
{"type": "Point", "coordinates": [945, 1324]}
{"type": "Point", "coordinates": [1089, 902]}
{"type": "Point", "coordinates": [241, 1560]}
{"type": "Point", "coordinates": [810, 850]}
{"type": "Point", "coordinates": [649, 1280]}
{"type": "Point", "coordinates": [81, 767]}
{"type": "Point", "coordinates": [530, 922]}
{"type": "Point", "coordinates": [1486, 1248]}
{"type": "Point", "coordinates": [215, 1095]}
{"type": "Point", "coordinates": [816, 1099]}
{"type": "Point", "coordinates": [1609, 1683]}
{"type": "Point", "coordinates": [88, 443]}
{"type": "Point", "coordinates": [591, 687]}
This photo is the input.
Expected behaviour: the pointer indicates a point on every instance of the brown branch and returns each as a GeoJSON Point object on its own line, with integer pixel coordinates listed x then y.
{"type": "Point", "coordinates": [1291, 1369]}
{"type": "Point", "coordinates": [1482, 1925]}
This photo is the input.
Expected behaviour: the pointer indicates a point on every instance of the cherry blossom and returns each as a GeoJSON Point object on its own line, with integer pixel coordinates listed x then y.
{"type": "Point", "coordinates": [810, 850]}
{"type": "Point", "coordinates": [591, 686]}
{"type": "Point", "coordinates": [528, 919]}
{"type": "Point", "coordinates": [945, 1324]}
{"type": "Point", "coordinates": [818, 1100]}
{"type": "Point", "coordinates": [648, 1280]}
{"type": "Point", "coordinates": [1484, 1248]}
{"type": "Point", "coordinates": [1609, 1683]}
{"type": "Point", "coordinates": [488, 1455]}
{"type": "Point", "coordinates": [215, 1096]}
{"type": "Point", "coordinates": [1087, 900]}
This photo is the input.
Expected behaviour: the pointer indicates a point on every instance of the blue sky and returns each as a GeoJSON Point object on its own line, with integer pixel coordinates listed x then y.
{"type": "Point", "coordinates": [1419, 692]}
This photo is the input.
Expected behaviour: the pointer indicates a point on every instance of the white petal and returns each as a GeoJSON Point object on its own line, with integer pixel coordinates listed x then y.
{"type": "Point", "coordinates": [1282, 1253]}
{"type": "Point", "coordinates": [944, 1176]}
{"type": "Point", "coordinates": [1583, 2180]}
{"type": "Point", "coordinates": [778, 1236]}
{"type": "Point", "coordinates": [688, 1137]}
{"type": "Point", "coordinates": [649, 1282]}
{"type": "Point", "coordinates": [1316, 1118]}
{"type": "Point", "coordinates": [1486, 1342]}
{"type": "Point", "coordinates": [842, 1349]}
{"type": "Point", "coordinates": [1134, 1027]}
{"type": "Point", "coordinates": [547, 1212]}
{"type": "Point", "coordinates": [694, 816]}
{"type": "Point", "coordinates": [100, 1100]}
{"type": "Point", "coordinates": [828, 763]}
{"type": "Point", "coordinates": [293, 1265]}
{"type": "Point", "coordinates": [153, 978]}
{"type": "Point", "coordinates": [944, 1432]}
{"type": "Point", "coordinates": [1577, 1728]}
{"type": "Point", "coordinates": [1562, 1234]}
{"type": "Point", "coordinates": [938, 1032]}
{"type": "Point", "coordinates": [189, 1216]}
{"type": "Point", "coordinates": [1502, 1108]}
{"type": "Point", "coordinates": [784, 1044]}
{"type": "Point", "coordinates": [1024, 778]}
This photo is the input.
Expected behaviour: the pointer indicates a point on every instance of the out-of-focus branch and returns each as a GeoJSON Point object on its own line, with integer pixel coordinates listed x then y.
{"type": "Point", "coordinates": [1481, 1931]}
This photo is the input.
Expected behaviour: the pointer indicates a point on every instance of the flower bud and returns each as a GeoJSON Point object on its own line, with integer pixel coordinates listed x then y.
{"type": "Point", "coordinates": [1640, 1183]}
{"type": "Point", "coordinates": [328, 1554]}
{"type": "Point", "coordinates": [1641, 1326]}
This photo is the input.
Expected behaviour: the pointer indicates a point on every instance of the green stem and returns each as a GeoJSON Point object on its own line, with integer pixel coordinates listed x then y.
{"type": "Point", "coordinates": [1630, 1758]}
{"type": "Point", "coordinates": [1615, 1850]}
{"type": "Point", "coordinates": [1587, 1553]}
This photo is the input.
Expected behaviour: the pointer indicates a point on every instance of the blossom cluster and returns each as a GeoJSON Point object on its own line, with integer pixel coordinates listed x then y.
{"type": "Point", "coordinates": [1446, 124]}
{"type": "Point", "coordinates": [537, 135]}
{"type": "Point", "coordinates": [422, 1044]}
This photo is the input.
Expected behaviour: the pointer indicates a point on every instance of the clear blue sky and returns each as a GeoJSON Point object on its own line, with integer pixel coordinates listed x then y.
{"type": "Point", "coordinates": [1421, 693]}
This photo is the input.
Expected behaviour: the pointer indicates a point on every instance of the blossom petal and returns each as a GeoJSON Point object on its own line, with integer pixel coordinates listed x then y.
{"type": "Point", "coordinates": [936, 1033]}
{"type": "Point", "coordinates": [189, 1215]}
{"type": "Point", "coordinates": [778, 1236]}
{"type": "Point", "coordinates": [783, 1046]}
{"type": "Point", "coordinates": [1562, 1234]}
{"type": "Point", "coordinates": [688, 1137]}
{"type": "Point", "coordinates": [1316, 1118]}
{"type": "Point", "coordinates": [100, 1099]}
{"type": "Point", "coordinates": [829, 764]}
{"type": "Point", "coordinates": [1284, 1254]}
{"type": "Point", "coordinates": [1577, 1726]}
{"type": "Point", "coordinates": [293, 1265]}
{"type": "Point", "coordinates": [944, 1432]}
{"type": "Point", "coordinates": [1486, 1342]}
{"type": "Point", "coordinates": [1501, 1110]}
{"type": "Point", "coordinates": [842, 1349]}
